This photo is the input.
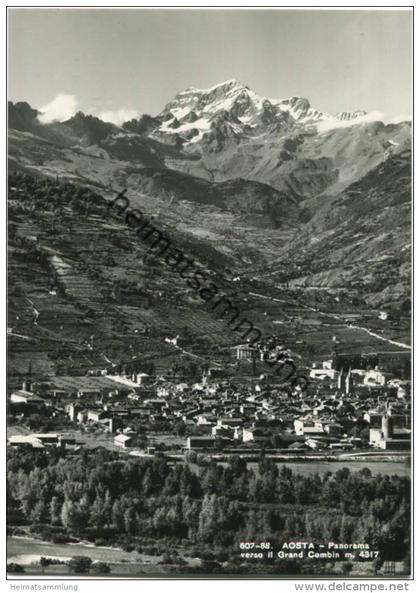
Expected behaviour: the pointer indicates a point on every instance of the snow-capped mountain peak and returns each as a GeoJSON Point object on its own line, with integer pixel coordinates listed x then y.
{"type": "Point", "coordinates": [238, 110]}
{"type": "Point", "coordinates": [225, 86]}
{"type": "Point", "coordinates": [206, 101]}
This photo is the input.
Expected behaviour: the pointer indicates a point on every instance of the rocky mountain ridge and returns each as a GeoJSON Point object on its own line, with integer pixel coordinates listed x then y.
{"type": "Point", "coordinates": [268, 166]}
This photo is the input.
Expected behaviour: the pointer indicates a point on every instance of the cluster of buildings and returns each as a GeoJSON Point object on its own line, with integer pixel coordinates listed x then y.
{"type": "Point", "coordinates": [39, 440]}
{"type": "Point", "coordinates": [341, 410]}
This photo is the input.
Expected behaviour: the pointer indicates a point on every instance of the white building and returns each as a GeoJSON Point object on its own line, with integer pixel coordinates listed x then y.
{"type": "Point", "coordinates": [322, 372]}
{"type": "Point", "coordinates": [123, 440]}
{"type": "Point", "coordinates": [374, 377]}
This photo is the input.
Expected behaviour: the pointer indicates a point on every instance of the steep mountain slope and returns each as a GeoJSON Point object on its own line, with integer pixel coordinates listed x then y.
{"type": "Point", "coordinates": [85, 292]}
{"type": "Point", "coordinates": [361, 238]}
{"type": "Point", "coordinates": [236, 195]}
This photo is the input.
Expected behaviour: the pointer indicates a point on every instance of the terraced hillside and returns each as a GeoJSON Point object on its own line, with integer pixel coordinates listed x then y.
{"type": "Point", "coordinates": [86, 293]}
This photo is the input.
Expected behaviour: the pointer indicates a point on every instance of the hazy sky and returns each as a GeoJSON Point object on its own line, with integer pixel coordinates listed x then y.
{"type": "Point", "coordinates": [137, 60]}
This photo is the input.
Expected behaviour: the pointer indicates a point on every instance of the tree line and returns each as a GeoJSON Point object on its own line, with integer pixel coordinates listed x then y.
{"type": "Point", "coordinates": [109, 500]}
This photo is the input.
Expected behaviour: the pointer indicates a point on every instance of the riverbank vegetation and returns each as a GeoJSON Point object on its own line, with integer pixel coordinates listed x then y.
{"type": "Point", "coordinates": [154, 507]}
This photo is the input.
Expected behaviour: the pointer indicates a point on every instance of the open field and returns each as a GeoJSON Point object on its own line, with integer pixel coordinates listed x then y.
{"type": "Point", "coordinates": [27, 552]}
{"type": "Point", "coordinates": [73, 384]}
{"type": "Point", "coordinates": [389, 468]}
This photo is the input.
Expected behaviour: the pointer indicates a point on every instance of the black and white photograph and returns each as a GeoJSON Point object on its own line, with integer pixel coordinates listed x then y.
{"type": "Point", "coordinates": [209, 293]}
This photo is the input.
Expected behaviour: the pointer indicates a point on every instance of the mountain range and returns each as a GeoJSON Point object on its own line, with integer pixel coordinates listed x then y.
{"type": "Point", "coordinates": [279, 193]}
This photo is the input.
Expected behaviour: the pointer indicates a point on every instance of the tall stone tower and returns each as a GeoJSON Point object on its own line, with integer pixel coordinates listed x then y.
{"type": "Point", "coordinates": [341, 382]}
{"type": "Point", "coordinates": [387, 426]}
{"type": "Point", "coordinates": [349, 382]}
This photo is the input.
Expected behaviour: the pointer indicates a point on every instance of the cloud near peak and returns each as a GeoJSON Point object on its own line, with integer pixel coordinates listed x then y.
{"type": "Point", "coordinates": [64, 106]}
{"type": "Point", "coordinates": [59, 109]}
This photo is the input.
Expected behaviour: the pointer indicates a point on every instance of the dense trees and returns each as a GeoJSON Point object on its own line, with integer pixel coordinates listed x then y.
{"type": "Point", "coordinates": [101, 497]}
{"type": "Point", "coordinates": [80, 564]}
{"type": "Point", "coordinates": [12, 567]}
{"type": "Point", "coordinates": [101, 568]}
